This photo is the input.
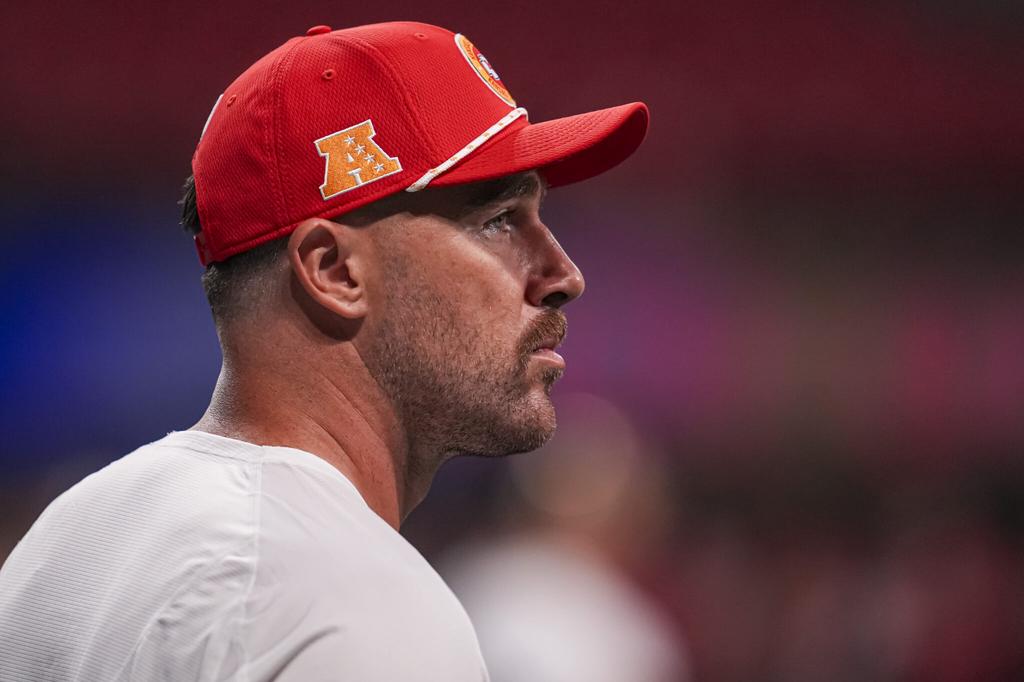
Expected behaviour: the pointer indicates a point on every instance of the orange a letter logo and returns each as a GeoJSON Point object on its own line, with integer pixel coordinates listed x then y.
{"type": "Point", "coordinates": [353, 159]}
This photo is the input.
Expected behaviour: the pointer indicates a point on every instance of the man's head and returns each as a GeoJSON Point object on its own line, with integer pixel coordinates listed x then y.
{"type": "Point", "coordinates": [451, 297]}
{"type": "Point", "coordinates": [379, 189]}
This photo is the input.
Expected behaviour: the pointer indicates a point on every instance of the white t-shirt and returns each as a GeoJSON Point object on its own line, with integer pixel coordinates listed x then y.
{"type": "Point", "coordinates": [199, 557]}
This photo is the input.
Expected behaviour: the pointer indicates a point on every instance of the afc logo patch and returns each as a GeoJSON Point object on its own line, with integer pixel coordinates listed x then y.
{"type": "Point", "coordinates": [352, 159]}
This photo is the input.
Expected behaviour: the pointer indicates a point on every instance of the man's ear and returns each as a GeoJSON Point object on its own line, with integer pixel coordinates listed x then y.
{"type": "Point", "coordinates": [328, 262]}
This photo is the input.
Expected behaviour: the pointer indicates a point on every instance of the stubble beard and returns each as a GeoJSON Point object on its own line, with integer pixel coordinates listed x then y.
{"type": "Point", "coordinates": [456, 394]}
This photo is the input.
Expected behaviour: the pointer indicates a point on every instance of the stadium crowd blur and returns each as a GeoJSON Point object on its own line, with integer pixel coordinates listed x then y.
{"type": "Point", "coordinates": [791, 426]}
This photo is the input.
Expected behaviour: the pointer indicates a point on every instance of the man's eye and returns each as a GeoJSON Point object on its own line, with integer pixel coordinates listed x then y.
{"type": "Point", "coordinates": [500, 223]}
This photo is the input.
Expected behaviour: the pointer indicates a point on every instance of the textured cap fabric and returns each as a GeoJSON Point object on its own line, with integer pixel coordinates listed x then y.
{"type": "Point", "coordinates": [334, 120]}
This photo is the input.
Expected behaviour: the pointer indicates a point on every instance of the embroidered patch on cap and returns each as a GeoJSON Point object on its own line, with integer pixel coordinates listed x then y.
{"type": "Point", "coordinates": [483, 69]}
{"type": "Point", "coordinates": [352, 159]}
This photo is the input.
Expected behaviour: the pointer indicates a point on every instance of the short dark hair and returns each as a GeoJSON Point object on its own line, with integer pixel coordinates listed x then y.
{"type": "Point", "coordinates": [231, 285]}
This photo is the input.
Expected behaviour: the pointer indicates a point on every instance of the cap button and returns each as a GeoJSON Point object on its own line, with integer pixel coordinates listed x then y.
{"type": "Point", "coordinates": [317, 30]}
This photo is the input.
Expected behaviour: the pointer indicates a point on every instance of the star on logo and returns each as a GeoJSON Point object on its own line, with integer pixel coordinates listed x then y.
{"type": "Point", "coordinates": [352, 158]}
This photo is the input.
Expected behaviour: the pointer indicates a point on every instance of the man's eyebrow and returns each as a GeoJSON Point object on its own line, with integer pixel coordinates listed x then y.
{"type": "Point", "coordinates": [502, 189]}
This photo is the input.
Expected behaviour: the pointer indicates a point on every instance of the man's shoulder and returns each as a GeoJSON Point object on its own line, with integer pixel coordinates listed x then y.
{"type": "Point", "coordinates": [161, 511]}
{"type": "Point", "coordinates": [125, 550]}
{"type": "Point", "coordinates": [159, 488]}
{"type": "Point", "coordinates": [203, 554]}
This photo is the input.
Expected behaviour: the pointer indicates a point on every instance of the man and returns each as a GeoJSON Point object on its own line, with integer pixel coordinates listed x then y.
{"type": "Point", "coordinates": [386, 295]}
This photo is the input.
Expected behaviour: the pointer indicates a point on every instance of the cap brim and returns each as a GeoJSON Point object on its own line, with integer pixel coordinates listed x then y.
{"type": "Point", "coordinates": [564, 150]}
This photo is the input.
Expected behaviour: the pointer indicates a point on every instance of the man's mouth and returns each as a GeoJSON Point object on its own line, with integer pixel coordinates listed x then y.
{"type": "Point", "coordinates": [546, 352]}
{"type": "Point", "coordinates": [549, 344]}
{"type": "Point", "coordinates": [549, 354]}
{"type": "Point", "coordinates": [546, 337]}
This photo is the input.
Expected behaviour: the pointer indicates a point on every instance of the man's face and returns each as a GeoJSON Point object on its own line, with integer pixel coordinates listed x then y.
{"type": "Point", "coordinates": [467, 299]}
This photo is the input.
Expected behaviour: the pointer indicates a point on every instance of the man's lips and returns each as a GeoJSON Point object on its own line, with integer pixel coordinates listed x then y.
{"type": "Point", "coordinates": [549, 355]}
{"type": "Point", "coordinates": [548, 344]}
{"type": "Point", "coordinates": [546, 336]}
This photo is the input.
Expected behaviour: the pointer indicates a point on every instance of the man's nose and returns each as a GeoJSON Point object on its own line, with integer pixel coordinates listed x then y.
{"type": "Point", "coordinates": [555, 280]}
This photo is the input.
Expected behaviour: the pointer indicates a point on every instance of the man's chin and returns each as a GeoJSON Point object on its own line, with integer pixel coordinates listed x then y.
{"type": "Point", "coordinates": [539, 426]}
{"type": "Point", "coordinates": [530, 427]}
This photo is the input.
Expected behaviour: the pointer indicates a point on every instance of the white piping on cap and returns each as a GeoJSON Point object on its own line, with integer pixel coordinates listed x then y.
{"type": "Point", "coordinates": [468, 149]}
{"type": "Point", "coordinates": [210, 117]}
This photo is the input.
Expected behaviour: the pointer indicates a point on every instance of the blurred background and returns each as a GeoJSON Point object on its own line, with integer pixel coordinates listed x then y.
{"type": "Point", "coordinates": [791, 426]}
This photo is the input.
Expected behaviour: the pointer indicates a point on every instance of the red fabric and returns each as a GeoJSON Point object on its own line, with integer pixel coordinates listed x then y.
{"type": "Point", "coordinates": [257, 168]}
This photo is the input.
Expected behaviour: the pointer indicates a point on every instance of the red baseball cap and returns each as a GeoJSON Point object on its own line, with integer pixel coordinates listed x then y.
{"type": "Point", "coordinates": [334, 120]}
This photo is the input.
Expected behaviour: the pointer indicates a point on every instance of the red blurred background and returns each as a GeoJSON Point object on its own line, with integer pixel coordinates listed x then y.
{"type": "Point", "coordinates": [805, 311]}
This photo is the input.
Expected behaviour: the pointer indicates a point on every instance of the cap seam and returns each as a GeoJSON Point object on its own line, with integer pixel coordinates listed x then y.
{"type": "Point", "coordinates": [406, 99]}
{"type": "Point", "coordinates": [277, 87]}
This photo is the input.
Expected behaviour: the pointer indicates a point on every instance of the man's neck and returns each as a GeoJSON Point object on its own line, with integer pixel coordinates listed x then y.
{"type": "Point", "coordinates": [341, 424]}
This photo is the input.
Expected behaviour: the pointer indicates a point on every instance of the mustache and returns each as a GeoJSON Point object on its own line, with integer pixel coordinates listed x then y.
{"type": "Point", "coordinates": [550, 324]}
